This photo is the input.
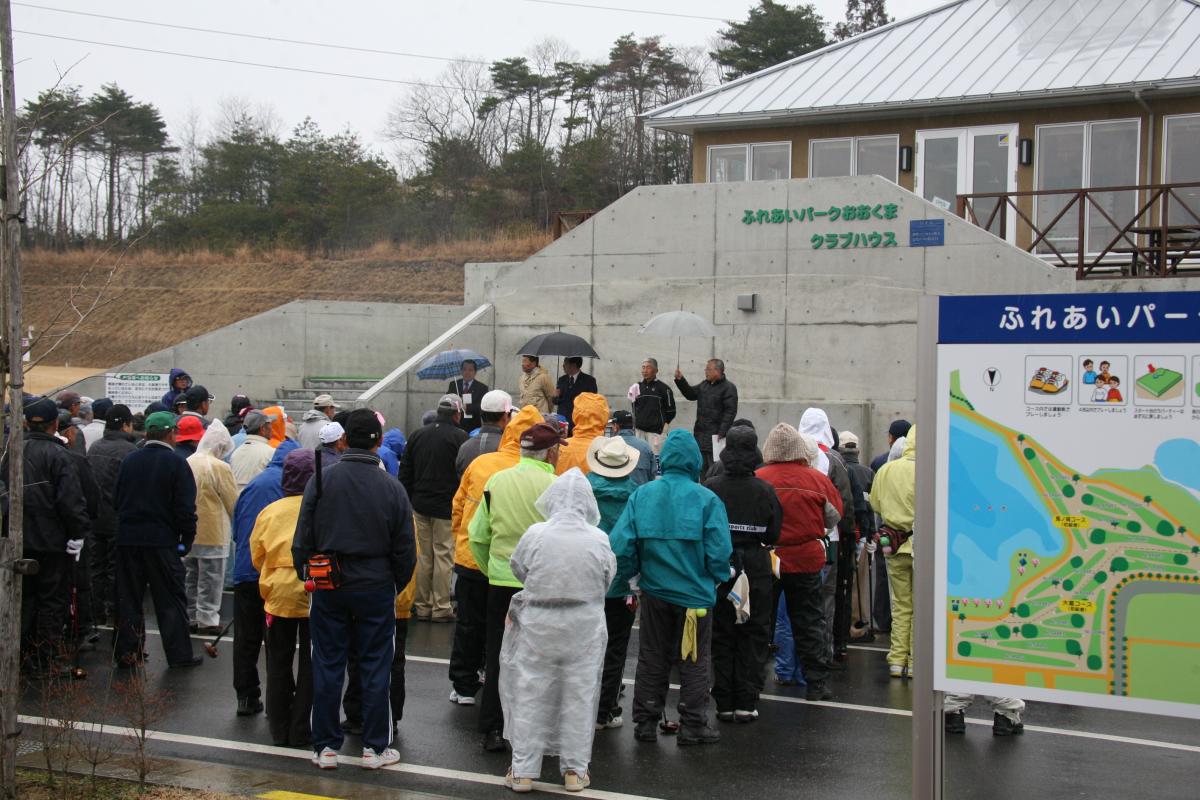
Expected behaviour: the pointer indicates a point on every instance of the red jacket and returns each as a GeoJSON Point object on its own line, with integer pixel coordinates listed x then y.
{"type": "Point", "coordinates": [803, 492]}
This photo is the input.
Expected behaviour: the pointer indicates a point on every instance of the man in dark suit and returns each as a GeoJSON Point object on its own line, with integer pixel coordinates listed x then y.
{"type": "Point", "coordinates": [471, 391]}
{"type": "Point", "coordinates": [571, 384]}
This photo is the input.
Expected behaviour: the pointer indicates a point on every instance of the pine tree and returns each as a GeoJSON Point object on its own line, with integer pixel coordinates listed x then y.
{"type": "Point", "coordinates": [772, 34]}
{"type": "Point", "coordinates": [861, 16]}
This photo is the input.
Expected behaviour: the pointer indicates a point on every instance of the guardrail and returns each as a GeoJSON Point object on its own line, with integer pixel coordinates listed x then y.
{"type": "Point", "coordinates": [435, 346]}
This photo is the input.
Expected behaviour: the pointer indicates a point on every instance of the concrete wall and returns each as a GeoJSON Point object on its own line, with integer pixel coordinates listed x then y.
{"type": "Point", "coordinates": [835, 328]}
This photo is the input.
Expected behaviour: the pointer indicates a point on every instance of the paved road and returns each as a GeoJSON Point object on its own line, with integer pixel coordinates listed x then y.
{"type": "Point", "coordinates": [858, 745]}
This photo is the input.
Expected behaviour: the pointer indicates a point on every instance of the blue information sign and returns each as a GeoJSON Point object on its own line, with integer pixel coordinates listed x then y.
{"type": "Point", "coordinates": [926, 233]}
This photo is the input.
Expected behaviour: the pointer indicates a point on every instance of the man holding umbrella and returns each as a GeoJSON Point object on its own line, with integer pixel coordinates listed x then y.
{"type": "Point", "coordinates": [471, 393]}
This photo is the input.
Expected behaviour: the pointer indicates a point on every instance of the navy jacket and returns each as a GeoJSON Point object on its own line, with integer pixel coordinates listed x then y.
{"type": "Point", "coordinates": [155, 499]}
{"type": "Point", "coordinates": [265, 488]}
{"type": "Point", "coordinates": [55, 507]}
{"type": "Point", "coordinates": [567, 392]}
{"type": "Point", "coordinates": [364, 517]}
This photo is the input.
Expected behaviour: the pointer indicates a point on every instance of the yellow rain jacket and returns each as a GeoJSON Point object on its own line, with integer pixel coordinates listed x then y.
{"type": "Point", "coordinates": [271, 551]}
{"type": "Point", "coordinates": [590, 417]}
{"type": "Point", "coordinates": [894, 492]}
{"type": "Point", "coordinates": [470, 488]}
{"type": "Point", "coordinates": [216, 491]}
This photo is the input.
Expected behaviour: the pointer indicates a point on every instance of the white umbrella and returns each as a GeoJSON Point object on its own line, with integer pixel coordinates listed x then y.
{"type": "Point", "coordinates": [676, 325]}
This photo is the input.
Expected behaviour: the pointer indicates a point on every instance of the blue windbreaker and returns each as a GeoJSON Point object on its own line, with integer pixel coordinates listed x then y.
{"type": "Point", "coordinates": [674, 532]}
{"type": "Point", "coordinates": [266, 488]}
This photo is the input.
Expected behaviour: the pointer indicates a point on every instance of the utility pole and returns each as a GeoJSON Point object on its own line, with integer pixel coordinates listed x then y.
{"type": "Point", "coordinates": [14, 381]}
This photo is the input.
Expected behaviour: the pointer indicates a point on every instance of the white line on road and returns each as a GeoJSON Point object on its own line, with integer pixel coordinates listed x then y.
{"type": "Point", "coordinates": [291, 752]}
{"type": "Point", "coordinates": [899, 712]}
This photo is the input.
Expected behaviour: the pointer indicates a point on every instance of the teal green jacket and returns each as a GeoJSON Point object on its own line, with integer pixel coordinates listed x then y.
{"type": "Point", "coordinates": [505, 512]}
{"type": "Point", "coordinates": [674, 532]}
{"type": "Point", "coordinates": [612, 494]}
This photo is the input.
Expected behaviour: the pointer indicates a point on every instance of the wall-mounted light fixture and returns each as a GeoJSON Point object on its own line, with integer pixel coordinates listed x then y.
{"type": "Point", "coordinates": [906, 155]}
{"type": "Point", "coordinates": [747, 302]}
{"type": "Point", "coordinates": [1025, 152]}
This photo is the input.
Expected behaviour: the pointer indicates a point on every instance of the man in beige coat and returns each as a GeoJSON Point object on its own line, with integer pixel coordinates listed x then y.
{"type": "Point", "coordinates": [216, 495]}
{"type": "Point", "coordinates": [537, 389]}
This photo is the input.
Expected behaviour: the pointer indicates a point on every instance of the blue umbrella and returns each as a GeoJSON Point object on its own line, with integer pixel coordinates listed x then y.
{"type": "Point", "coordinates": [449, 362]}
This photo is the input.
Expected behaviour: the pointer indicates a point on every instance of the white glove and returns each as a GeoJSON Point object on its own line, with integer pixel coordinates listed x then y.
{"type": "Point", "coordinates": [872, 546]}
{"type": "Point", "coordinates": [74, 547]}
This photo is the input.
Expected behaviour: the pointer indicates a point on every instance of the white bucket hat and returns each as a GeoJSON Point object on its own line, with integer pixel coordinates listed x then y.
{"type": "Point", "coordinates": [612, 457]}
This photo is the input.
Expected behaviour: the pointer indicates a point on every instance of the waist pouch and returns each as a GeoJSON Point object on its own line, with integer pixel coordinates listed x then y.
{"type": "Point", "coordinates": [324, 571]}
{"type": "Point", "coordinates": [898, 537]}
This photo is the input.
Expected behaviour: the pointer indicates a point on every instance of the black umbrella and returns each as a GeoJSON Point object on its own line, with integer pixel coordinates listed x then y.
{"type": "Point", "coordinates": [557, 344]}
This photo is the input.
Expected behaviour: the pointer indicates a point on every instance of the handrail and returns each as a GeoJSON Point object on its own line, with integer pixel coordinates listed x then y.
{"type": "Point", "coordinates": [422, 354]}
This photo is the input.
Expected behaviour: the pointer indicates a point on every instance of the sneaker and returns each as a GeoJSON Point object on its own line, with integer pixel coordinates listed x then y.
{"type": "Point", "coordinates": [373, 760]}
{"type": "Point", "coordinates": [326, 759]}
{"type": "Point", "coordinates": [746, 716]}
{"type": "Point", "coordinates": [725, 716]}
{"type": "Point", "coordinates": [646, 731]}
{"type": "Point", "coordinates": [519, 785]}
{"type": "Point", "coordinates": [609, 720]}
{"type": "Point", "coordinates": [818, 691]}
{"type": "Point", "coordinates": [573, 782]}
{"type": "Point", "coordinates": [461, 699]}
{"type": "Point", "coordinates": [704, 734]}
{"type": "Point", "coordinates": [895, 670]}
{"type": "Point", "coordinates": [1003, 726]}
{"type": "Point", "coordinates": [493, 742]}
{"type": "Point", "coordinates": [956, 721]}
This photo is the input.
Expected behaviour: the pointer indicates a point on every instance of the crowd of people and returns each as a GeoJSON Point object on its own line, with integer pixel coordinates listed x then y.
{"type": "Point", "coordinates": [540, 530]}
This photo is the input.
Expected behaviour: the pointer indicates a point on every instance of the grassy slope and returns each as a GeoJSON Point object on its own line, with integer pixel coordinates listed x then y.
{"type": "Point", "coordinates": [155, 300]}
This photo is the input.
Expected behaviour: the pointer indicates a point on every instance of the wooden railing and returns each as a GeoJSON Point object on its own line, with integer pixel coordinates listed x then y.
{"type": "Point", "coordinates": [1157, 236]}
{"type": "Point", "coordinates": [563, 221]}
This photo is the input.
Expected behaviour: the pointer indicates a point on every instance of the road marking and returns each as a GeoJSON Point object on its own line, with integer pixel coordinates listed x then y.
{"type": "Point", "coordinates": [280, 794]}
{"type": "Point", "coordinates": [291, 752]}
{"type": "Point", "coordinates": [895, 712]}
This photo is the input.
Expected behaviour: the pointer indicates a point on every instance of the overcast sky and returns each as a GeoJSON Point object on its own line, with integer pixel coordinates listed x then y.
{"type": "Point", "coordinates": [480, 29]}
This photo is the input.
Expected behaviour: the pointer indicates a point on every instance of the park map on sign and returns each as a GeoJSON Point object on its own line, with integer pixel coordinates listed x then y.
{"type": "Point", "coordinates": [1104, 598]}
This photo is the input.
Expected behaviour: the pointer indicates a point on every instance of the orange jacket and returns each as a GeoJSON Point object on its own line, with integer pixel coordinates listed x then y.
{"type": "Point", "coordinates": [590, 417]}
{"type": "Point", "coordinates": [470, 488]}
{"type": "Point", "coordinates": [278, 425]}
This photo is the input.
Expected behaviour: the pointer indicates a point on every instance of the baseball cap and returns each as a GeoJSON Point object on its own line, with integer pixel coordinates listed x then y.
{"type": "Point", "coordinates": [160, 422]}
{"type": "Point", "coordinates": [541, 437]}
{"type": "Point", "coordinates": [363, 424]}
{"type": "Point", "coordinates": [101, 407]}
{"type": "Point", "coordinates": [117, 416]}
{"type": "Point", "coordinates": [42, 410]}
{"type": "Point", "coordinates": [255, 420]}
{"type": "Point", "coordinates": [450, 402]}
{"type": "Point", "coordinates": [899, 428]}
{"type": "Point", "coordinates": [497, 401]}
{"type": "Point", "coordinates": [239, 402]}
{"type": "Point", "coordinates": [331, 432]}
{"type": "Point", "coordinates": [324, 401]}
{"type": "Point", "coordinates": [180, 399]}
{"type": "Point", "coordinates": [69, 399]}
{"type": "Point", "coordinates": [198, 394]}
{"type": "Point", "coordinates": [622, 419]}
{"type": "Point", "coordinates": [849, 440]}
{"type": "Point", "coordinates": [189, 429]}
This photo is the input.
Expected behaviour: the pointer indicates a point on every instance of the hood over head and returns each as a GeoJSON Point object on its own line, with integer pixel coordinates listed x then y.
{"type": "Point", "coordinates": [298, 467]}
{"type": "Point", "coordinates": [177, 373]}
{"type": "Point", "coordinates": [525, 419]}
{"type": "Point", "coordinates": [569, 499]}
{"type": "Point", "coordinates": [590, 415]}
{"type": "Point", "coordinates": [393, 439]}
{"type": "Point", "coordinates": [216, 441]}
{"type": "Point", "coordinates": [313, 413]}
{"type": "Point", "coordinates": [741, 456]}
{"type": "Point", "coordinates": [281, 453]}
{"type": "Point", "coordinates": [278, 426]}
{"type": "Point", "coordinates": [898, 448]}
{"type": "Point", "coordinates": [680, 453]}
{"type": "Point", "coordinates": [910, 444]}
{"type": "Point", "coordinates": [815, 422]}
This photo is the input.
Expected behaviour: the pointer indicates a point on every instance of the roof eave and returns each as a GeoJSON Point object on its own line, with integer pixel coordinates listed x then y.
{"type": "Point", "coordinates": [690, 125]}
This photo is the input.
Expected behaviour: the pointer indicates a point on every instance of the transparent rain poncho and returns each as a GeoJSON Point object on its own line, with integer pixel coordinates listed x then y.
{"type": "Point", "coordinates": [554, 639]}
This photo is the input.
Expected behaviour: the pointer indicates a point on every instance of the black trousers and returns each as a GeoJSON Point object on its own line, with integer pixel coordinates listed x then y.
{"type": "Point", "coordinates": [248, 633]}
{"type": "Point", "coordinates": [160, 569]}
{"type": "Point", "coordinates": [103, 567]}
{"type": "Point", "coordinates": [806, 613]}
{"type": "Point", "coordinates": [45, 599]}
{"type": "Point", "coordinates": [659, 640]}
{"type": "Point", "coordinates": [843, 595]}
{"type": "Point", "coordinates": [739, 652]}
{"type": "Point", "coordinates": [883, 595]}
{"type": "Point", "coordinates": [352, 699]}
{"type": "Point", "coordinates": [289, 681]}
{"type": "Point", "coordinates": [618, 619]}
{"type": "Point", "coordinates": [491, 713]}
{"type": "Point", "coordinates": [467, 655]}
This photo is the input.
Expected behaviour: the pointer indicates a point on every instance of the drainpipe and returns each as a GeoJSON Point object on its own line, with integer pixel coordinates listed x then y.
{"type": "Point", "coordinates": [1141, 101]}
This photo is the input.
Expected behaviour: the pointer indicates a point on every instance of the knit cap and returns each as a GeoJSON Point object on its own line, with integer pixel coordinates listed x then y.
{"type": "Point", "coordinates": [783, 443]}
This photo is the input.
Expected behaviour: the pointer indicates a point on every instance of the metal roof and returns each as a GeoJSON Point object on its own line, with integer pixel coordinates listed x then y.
{"type": "Point", "coordinates": [966, 52]}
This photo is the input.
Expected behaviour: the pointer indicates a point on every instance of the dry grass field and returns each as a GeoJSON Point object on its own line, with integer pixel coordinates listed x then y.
{"type": "Point", "coordinates": [145, 300]}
